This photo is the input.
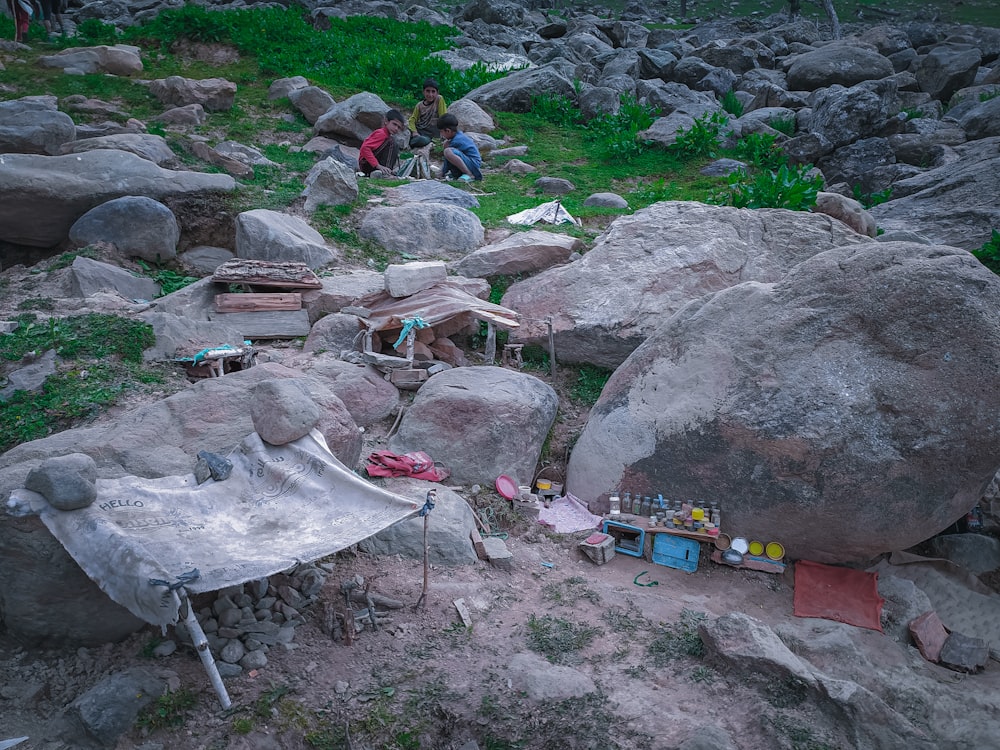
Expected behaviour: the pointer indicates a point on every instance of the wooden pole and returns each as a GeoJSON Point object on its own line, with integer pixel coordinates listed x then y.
{"type": "Point", "coordinates": [552, 349]}
{"type": "Point", "coordinates": [491, 342]}
{"type": "Point", "coordinates": [426, 512]}
{"type": "Point", "coordinates": [201, 645]}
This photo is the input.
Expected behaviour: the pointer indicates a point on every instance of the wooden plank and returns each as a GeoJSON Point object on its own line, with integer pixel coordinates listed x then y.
{"type": "Point", "coordinates": [291, 275]}
{"type": "Point", "coordinates": [230, 303]}
{"type": "Point", "coordinates": [289, 324]}
{"type": "Point", "coordinates": [477, 542]}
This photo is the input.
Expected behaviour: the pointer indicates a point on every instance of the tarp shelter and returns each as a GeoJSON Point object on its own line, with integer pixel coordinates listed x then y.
{"type": "Point", "coordinates": [440, 303]}
{"type": "Point", "coordinates": [281, 505]}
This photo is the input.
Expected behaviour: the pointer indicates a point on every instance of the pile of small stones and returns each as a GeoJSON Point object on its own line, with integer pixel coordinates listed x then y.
{"type": "Point", "coordinates": [242, 623]}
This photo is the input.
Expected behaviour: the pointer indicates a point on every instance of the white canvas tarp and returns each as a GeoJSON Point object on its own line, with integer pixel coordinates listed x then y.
{"type": "Point", "coordinates": [282, 505]}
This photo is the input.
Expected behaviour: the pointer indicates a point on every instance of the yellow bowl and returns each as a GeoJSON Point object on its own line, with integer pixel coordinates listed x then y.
{"type": "Point", "coordinates": [544, 484]}
{"type": "Point", "coordinates": [774, 551]}
{"type": "Point", "coordinates": [756, 549]}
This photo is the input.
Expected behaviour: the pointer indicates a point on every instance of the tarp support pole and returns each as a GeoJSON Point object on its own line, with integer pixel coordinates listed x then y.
{"type": "Point", "coordinates": [205, 653]}
{"type": "Point", "coordinates": [491, 342]}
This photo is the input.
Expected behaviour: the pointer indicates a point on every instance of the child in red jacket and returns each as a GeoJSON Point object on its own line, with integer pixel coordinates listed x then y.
{"type": "Point", "coordinates": [380, 153]}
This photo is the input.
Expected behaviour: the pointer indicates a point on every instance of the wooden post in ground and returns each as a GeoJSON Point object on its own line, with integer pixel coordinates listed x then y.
{"type": "Point", "coordinates": [491, 342]}
{"type": "Point", "coordinates": [552, 349]}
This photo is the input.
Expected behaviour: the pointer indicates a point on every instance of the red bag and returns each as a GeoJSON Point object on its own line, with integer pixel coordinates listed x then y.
{"type": "Point", "coordinates": [416, 464]}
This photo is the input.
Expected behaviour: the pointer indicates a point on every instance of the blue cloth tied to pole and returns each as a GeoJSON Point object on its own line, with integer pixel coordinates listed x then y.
{"type": "Point", "coordinates": [408, 325]}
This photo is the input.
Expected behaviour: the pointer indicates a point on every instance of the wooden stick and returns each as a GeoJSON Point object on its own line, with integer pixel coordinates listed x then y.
{"type": "Point", "coordinates": [201, 645]}
{"type": "Point", "coordinates": [426, 512]}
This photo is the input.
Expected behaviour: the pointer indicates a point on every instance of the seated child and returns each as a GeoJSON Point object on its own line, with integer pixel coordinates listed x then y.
{"type": "Point", "coordinates": [423, 120]}
{"type": "Point", "coordinates": [461, 156]}
{"type": "Point", "coordinates": [379, 155]}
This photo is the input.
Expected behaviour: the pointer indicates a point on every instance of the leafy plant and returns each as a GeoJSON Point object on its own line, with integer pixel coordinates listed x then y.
{"type": "Point", "coordinates": [169, 710]}
{"type": "Point", "coordinates": [985, 96]}
{"type": "Point", "coordinates": [558, 639]}
{"type": "Point", "coordinates": [589, 383]}
{"type": "Point", "coordinates": [169, 280]}
{"type": "Point", "coordinates": [677, 640]}
{"type": "Point", "coordinates": [788, 187]}
{"type": "Point", "coordinates": [556, 109]}
{"type": "Point", "coordinates": [702, 138]}
{"type": "Point", "coordinates": [784, 125]}
{"type": "Point", "coordinates": [871, 199]}
{"type": "Point", "coordinates": [569, 592]}
{"type": "Point", "coordinates": [93, 31]}
{"type": "Point", "coordinates": [618, 133]}
{"type": "Point", "coordinates": [732, 104]}
{"type": "Point", "coordinates": [989, 253]}
{"type": "Point", "coordinates": [761, 150]}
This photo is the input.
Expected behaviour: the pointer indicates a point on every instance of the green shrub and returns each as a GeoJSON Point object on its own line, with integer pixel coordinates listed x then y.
{"type": "Point", "coordinates": [868, 200]}
{"type": "Point", "coordinates": [784, 125]}
{"type": "Point", "coordinates": [589, 383]}
{"type": "Point", "coordinates": [760, 149]}
{"type": "Point", "coordinates": [731, 103]}
{"type": "Point", "coordinates": [987, 95]}
{"type": "Point", "coordinates": [989, 253]}
{"type": "Point", "coordinates": [93, 32]}
{"type": "Point", "coordinates": [702, 138]}
{"type": "Point", "coordinates": [556, 109]}
{"type": "Point", "coordinates": [617, 133]}
{"type": "Point", "coordinates": [788, 187]}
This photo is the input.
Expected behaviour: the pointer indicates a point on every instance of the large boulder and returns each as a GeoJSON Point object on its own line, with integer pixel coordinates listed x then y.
{"type": "Point", "coordinates": [213, 94]}
{"type": "Point", "coordinates": [649, 265]}
{"type": "Point", "coordinates": [812, 408]}
{"type": "Point", "coordinates": [521, 253]}
{"type": "Point", "coordinates": [839, 63]}
{"type": "Point", "coordinates": [34, 125]}
{"type": "Point", "coordinates": [514, 92]}
{"type": "Point", "coordinates": [422, 229]}
{"type": "Point", "coordinates": [115, 60]}
{"type": "Point", "coordinates": [956, 204]}
{"type": "Point", "coordinates": [354, 118]}
{"type": "Point", "coordinates": [147, 145]}
{"type": "Point", "coordinates": [843, 115]}
{"type": "Point", "coordinates": [42, 196]}
{"type": "Point", "coordinates": [263, 234]}
{"type": "Point", "coordinates": [135, 225]}
{"type": "Point", "coordinates": [946, 69]}
{"type": "Point", "coordinates": [480, 422]}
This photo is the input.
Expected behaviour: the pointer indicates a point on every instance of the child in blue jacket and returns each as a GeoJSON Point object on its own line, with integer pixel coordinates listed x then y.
{"type": "Point", "coordinates": [461, 156]}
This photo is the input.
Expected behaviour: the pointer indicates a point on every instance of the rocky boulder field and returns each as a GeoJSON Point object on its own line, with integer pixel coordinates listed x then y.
{"type": "Point", "coordinates": [829, 377]}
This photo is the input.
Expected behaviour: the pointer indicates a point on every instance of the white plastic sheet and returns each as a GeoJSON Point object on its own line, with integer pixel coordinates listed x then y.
{"type": "Point", "coordinates": [551, 213]}
{"type": "Point", "coordinates": [282, 505]}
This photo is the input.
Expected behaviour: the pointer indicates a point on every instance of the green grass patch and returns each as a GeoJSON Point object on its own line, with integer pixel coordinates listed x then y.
{"type": "Point", "coordinates": [559, 640]}
{"type": "Point", "coordinates": [589, 383]}
{"type": "Point", "coordinates": [569, 591]}
{"type": "Point", "coordinates": [169, 711]}
{"type": "Point", "coordinates": [678, 640]}
{"type": "Point", "coordinates": [989, 253]}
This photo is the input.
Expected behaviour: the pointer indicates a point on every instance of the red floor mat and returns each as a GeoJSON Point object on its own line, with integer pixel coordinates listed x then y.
{"type": "Point", "coordinates": [841, 594]}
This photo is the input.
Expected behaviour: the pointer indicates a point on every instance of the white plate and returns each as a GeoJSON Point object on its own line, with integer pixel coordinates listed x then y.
{"type": "Point", "coordinates": [740, 545]}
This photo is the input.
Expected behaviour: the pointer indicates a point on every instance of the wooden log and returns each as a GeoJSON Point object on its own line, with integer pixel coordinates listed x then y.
{"type": "Point", "coordinates": [231, 303]}
{"type": "Point", "coordinates": [478, 544]}
{"type": "Point", "coordinates": [289, 274]}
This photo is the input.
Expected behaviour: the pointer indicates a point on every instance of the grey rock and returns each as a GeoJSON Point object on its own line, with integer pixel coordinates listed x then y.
{"type": "Point", "coordinates": [283, 87]}
{"type": "Point", "coordinates": [165, 649]}
{"type": "Point", "coordinates": [31, 376]}
{"type": "Point", "coordinates": [151, 147]}
{"type": "Point", "coordinates": [89, 277]}
{"type": "Point", "coordinates": [283, 411]}
{"type": "Point", "coordinates": [34, 125]}
{"type": "Point", "coordinates": [606, 200]}
{"type": "Point", "coordinates": [367, 396]}
{"type": "Point", "coordinates": [498, 554]}
{"type": "Point", "coordinates": [430, 191]}
{"type": "Point", "coordinates": [965, 654]}
{"type": "Point", "coordinates": [554, 185]}
{"type": "Point", "coordinates": [663, 257]}
{"type": "Point", "coordinates": [107, 710]}
{"type": "Point", "coordinates": [213, 94]}
{"type": "Point", "coordinates": [135, 225]}
{"type": "Point", "coordinates": [330, 183]}
{"type": "Point", "coordinates": [982, 120]}
{"type": "Point", "coordinates": [228, 671]}
{"type": "Point", "coordinates": [977, 553]}
{"type": "Point", "coordinates": [416, 229]}
{"type": "Point", "coordinates": [543, 682]}
{"type": "Point", "coordinates": [334, 333]}
{"type": "Point", "coordinates": [869, 378]}
{"type": "Point", "coordinates": [116, 60]}
{"type": "Point", "coordinates": [841, 64]}
{"type": "Point", "coordinates": [204, 259]}
{"type": "Point", "coordinates": [354, 118]}
{"type": "Point", "coordinates": [212, 465]}
{"type": "Point", "coordinates": [232, 652]}
{"type": "Point", "coordinates": [42, 196]}
{"type": "Point", "coordinates": [404, 279]}
{"type": "Point", "coordinates": [312, 101]}
{"type": "Point", "coordinates": [513, 93]}
{"type": "Point", "coordinates": [66, 482]}
{"type": "Point", "coordinates": [254, 660]}
{"type": "Point", "coordinates": [471, 117]}
{"type": "Point", "coordinates": [480, 422]}
{"type": "Point", "coordinates": [262, 234]}
{"type": "Point", "coordinates": [842, 115]}
{"type": "Point", "coordinates": [520, 253]}
{"type": "Point", "coordinates": [448, 528]}
{"type": "Point", "coordinates": [189, 114]}
{"type": "Point", "coordinates": [947, 68]}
